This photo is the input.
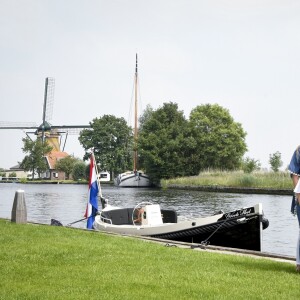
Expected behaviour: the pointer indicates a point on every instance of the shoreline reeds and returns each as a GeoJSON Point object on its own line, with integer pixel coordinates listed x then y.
{"type": "Point", "coordinates": [237, 179]}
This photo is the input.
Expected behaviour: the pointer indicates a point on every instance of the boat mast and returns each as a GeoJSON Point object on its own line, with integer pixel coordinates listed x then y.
{"type": "Point", "coordinates": [135, 155]}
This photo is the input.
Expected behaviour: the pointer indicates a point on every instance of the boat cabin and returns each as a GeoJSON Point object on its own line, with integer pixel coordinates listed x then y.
{"type": "Point", "coordinates": [148, 215]}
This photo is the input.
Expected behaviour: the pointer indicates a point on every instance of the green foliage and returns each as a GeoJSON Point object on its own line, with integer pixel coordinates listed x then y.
{"type": "Point", "coordinates": [87, 172]}
{"type": "Point", "coordinates": [23, 180]}
{"type": "Point", "coordinates": [35, 160]}
{"type": "Point", "coordinates": [78, 171]}
{"type": "Point", "coordinates": [12, 175]}
{"type": "Point", "coordinates": [163, 143]}
{"type": "Point", "coordinates": [220, 141]}
{"type": "Point", "coordinates": [247, 181]}
{"type": "Point", "coordinates": [57, 264]}
{"type": "Point", "coordinates": [111, 140]}
{"type": "Point", "coordinates": [66, 165]}
{"type": "Point", "coordinates": [147, 114]}
{"type": "Point", "coordinates": [2, 174]}
{"type": "Point", "coordinates": [171, 146]}
{"type": "Point", "coordinates": [250, 164]}
{"type": "Point", "coordinates": [275, 161]}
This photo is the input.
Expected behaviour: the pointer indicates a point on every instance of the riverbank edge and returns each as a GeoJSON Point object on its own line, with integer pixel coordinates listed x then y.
{"type": "Point", "coordinates": [185, 245]}
{"type": "Point", "coordinates": [54, 182]}
{"type": "Point", "coordinates": [228, 189]}
{"type": "Point", "coordinates": [201, 188]}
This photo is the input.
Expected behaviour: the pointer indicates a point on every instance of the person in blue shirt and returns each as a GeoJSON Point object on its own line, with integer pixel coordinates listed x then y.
{"type": "Point", "coordinates": [294, 168]}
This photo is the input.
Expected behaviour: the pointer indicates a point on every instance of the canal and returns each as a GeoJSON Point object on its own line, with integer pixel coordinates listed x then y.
{"type": "Point", "coordinates": [67, 203]}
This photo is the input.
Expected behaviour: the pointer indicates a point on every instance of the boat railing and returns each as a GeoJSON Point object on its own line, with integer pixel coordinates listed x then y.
{"type": "Point", "coordinates": [106, 220]}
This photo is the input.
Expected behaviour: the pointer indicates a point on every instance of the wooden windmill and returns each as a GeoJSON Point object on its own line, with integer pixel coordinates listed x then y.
{"type": "Point", "coordinates": [46, 131]}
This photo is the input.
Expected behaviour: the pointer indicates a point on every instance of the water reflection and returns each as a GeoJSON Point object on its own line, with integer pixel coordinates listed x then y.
{"type": "Point", "coordinates": [67, 203]}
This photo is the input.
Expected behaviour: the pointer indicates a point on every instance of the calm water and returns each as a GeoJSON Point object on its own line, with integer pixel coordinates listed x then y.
{"type": "Point", "coordinates": [67, 203]}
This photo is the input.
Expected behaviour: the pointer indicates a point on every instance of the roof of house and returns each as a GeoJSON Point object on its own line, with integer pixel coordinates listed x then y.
{"type": "Point", "coordinates": [16, 167]}
{"type": "Point", "coordinates": [54, 156]}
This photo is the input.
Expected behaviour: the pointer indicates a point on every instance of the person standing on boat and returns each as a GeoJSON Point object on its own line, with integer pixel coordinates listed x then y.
{"type": "Point", "coordinates": [294, 168]}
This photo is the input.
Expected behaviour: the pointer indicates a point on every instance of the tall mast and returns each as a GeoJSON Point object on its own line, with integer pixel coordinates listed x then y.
{"type": "Point", "coordinates": [135, 155]}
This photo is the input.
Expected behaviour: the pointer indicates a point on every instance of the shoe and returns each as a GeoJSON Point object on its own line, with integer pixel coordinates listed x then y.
{"type": "Point", "coordinates": [298, 268]}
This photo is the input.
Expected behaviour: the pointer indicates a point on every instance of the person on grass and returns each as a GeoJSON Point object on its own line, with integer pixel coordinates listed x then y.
{"type": "Point", "coordinates": [294, 168]}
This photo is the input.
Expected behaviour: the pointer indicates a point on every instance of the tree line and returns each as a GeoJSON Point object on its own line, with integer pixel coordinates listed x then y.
{"type": "Point", "coordinates": [169, 144]}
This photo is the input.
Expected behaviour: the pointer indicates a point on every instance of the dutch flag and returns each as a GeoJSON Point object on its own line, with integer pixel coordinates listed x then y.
{"type": "Point", "coordinates": [92, 205]}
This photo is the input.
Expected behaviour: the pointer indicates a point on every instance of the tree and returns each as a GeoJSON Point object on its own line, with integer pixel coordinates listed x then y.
{"type": "Point", "coordinates": [275, 161]}
{"type": "Point", "coordinates": [147, 113]}
{"type": "Point", "coordinates": [163, 143]}
{"type": "Point", "coordinates": [250, 164]}
{"type": "Point", "coordinates": [79, 170]}
{"type": "Point", "coordinates": [35, 159]}
{"type": "Point", "coordinates": [220, 141]}
{"type": "Point", "coordinates": [111, 140]}
{"type": "Point", "coordinates": [66, 164]}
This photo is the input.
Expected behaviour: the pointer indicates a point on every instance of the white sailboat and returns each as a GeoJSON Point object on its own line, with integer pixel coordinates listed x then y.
{"type": "Point", "coordinates": [134, 178]}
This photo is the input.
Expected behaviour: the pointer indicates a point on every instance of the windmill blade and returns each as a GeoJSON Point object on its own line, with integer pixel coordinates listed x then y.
{"type": "Point", "coordinates": [48, 99]}
{"type": "Point", "coordinates": [18, 125]}
{"type": "Point", "coordinates": [48, 105]}
{"type": "Point", "coordinates": [70, 129]}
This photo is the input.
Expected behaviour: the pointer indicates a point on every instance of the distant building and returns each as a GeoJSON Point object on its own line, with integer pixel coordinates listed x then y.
{"type": "Point", "coordinates": [20, 173]}
{"type": "Point", "coordinates": [51, 159]}
{"type": "Point", "coordinates": [104, 176]}
{"type": "Point", "coordinates": [51, 173]}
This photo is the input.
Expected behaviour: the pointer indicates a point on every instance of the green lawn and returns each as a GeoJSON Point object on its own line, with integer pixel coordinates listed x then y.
{"type": "Point", "coordinates": [44, 262]}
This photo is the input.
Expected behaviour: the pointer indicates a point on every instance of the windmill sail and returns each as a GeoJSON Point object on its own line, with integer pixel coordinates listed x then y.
{"type": "Point", "coordinates": [46, 130]}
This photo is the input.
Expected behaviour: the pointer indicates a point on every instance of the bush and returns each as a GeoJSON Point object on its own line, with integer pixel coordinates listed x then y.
{"type": "Point", "coordinates": [23, 180]}
{"type": "Point", "coordinates": [12, 175]}
{"type": "Point", "coordinates": [79, 171]}
{"type": "Point", "coordinates": [247, 181]}
{"type": "Point", "coordinates": [250, 164]}
{"type": "Point", "coordinates": [275, 161]}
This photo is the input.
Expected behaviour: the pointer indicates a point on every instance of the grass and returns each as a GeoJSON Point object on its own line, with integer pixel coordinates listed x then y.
{"type": "Point", "coordinates": [44, 262]}
{"type": "Point", "coordinates": [268, 180]}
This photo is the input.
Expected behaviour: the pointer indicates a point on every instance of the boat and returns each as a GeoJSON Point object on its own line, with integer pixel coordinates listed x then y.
{"type": "Point", "coordinates": [241, 228]}
{"type": "Point", "coordinates": [134, 178]}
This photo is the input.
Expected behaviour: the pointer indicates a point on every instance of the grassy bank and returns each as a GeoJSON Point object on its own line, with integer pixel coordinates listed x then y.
{"type": "Point", "coordinates": [44, 262]}
{"type": "Point", "coordinates": [238, 179]}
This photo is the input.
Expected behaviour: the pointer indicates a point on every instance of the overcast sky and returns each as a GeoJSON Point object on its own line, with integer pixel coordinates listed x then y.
{"type": "Point", "coordinates": [241, 54]}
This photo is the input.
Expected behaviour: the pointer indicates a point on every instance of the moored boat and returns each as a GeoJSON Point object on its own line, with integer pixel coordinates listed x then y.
{"type": "Point", "coordinates": [241, 228]}
{"type": "Point", "coordinates": [134, 178]}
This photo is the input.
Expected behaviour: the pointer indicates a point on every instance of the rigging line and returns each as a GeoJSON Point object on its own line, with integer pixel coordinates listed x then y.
{"type": "Point", "coordinates": [129, 120]}
{"type": "Point", "coordinates": [140, 103]}
{"type": "Point", "coordinates": [206, 241]}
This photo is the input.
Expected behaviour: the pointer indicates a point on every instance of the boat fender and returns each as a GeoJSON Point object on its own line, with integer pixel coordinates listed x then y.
{"type": "Point", "coordinates": [265, 223]}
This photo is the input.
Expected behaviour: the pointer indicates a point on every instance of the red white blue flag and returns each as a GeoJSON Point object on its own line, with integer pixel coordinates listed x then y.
{"type": "Point", "coordinates": [92, 205]}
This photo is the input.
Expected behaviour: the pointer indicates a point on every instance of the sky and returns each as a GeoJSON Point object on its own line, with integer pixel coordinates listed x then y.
{"type": "Point", "coordinates": [241, 54]}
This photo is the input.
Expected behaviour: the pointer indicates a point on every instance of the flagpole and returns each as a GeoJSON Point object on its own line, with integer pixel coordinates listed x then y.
{"type": "Point", "coordinates": [97, 173]}
{"type": "Point", "coordinates": [92, 205]}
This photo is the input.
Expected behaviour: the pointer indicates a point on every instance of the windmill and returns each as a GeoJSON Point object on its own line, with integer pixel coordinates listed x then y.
{"type": "Point", "coordinates": [46, 131]}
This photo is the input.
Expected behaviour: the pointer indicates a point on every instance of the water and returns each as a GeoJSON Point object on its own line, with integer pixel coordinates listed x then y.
{"type": "Point", "coordinates": [67, 204]}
